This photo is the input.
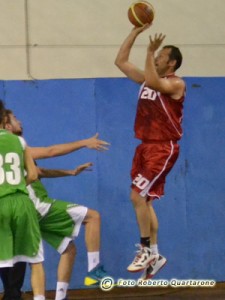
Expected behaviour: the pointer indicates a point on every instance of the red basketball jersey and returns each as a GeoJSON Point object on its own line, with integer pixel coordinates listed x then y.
{"type": "Point", "coordinates": [158, 116]}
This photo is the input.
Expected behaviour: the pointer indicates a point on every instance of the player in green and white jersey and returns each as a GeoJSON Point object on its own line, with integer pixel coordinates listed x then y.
{"type": "Point", "coordinates": [20, 236]}
{"type": "Point", "coordinates": [54, 214]}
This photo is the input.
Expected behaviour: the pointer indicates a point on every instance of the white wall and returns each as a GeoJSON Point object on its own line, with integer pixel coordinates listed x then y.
{"type": "Point", "coordinates": [80, 38]}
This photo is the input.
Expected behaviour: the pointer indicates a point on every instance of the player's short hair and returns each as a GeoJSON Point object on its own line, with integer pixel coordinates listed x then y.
{"type": "Point", "coordinates": [175, 54]}
{"type": "Point", "coordinates": [2, 112]}
{"type": "Point", "coordinates": [8, 112]}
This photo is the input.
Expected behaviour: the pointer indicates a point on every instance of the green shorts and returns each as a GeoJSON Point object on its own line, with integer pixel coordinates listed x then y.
{"type": "Point", "coordinates": [62, 224]}
{"type": "Point", "coordinates": [19, 231]}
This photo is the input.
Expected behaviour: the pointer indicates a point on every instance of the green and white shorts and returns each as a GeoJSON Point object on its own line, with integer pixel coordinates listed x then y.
{"type": "Point", "coordinates": [62, 224]}
{"type": "Point", "coordinates": [20, 235]}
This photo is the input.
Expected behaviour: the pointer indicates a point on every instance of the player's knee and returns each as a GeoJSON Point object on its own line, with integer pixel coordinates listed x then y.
{"type": "Point", "coordinates": [71, 249]}
{"type": "Point", "coordinates": [92, 217]}
{"type": "Point", "coordinates": [95, 216]}
{"type": "Point", "coordinates": [136, 199]}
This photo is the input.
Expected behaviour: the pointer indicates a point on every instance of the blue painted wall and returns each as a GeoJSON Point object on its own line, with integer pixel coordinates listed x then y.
{"type": "Point", "coordinates": [192, 212]}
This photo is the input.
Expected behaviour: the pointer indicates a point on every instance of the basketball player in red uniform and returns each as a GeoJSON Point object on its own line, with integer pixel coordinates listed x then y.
{"type": "Point", "coordinates": [158, 126]}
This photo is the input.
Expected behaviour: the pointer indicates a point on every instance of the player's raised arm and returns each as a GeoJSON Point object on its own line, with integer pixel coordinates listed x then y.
{"type": "Point", "coordinates": [122, 58]}
{"type": "Point", "coordinates": [62, 149]}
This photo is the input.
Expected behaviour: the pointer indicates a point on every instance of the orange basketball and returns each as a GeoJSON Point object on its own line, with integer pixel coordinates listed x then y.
{"type": "Point", "coordinates": [140, 13]}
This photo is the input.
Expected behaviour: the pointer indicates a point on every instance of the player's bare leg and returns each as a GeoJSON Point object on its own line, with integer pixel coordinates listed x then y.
{"type": "Point", "coordinates": [38, 280]}
{"type": "Point", "coordinates": [154, 225]}
{"type": "Point", "coordinates": [144, 255]}
{"type": "Point", "coordinates": [92, 230]}
{"type": "Point", "coordinates": [159, 260]}
{"type": "Point", "coordinates": [92, 238]}
{"type": "Point", "coordinates": [142, 213]}
{"type": "Point", "coordinates": [66, 262]}
{"type": "Point", "coordinates": [65, 268]}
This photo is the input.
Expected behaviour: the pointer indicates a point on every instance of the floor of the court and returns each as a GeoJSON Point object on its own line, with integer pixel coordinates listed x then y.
{"type": "Point", "coordinates": [170, 293]}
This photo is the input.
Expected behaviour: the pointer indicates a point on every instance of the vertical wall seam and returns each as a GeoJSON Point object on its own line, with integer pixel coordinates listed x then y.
{"type": "Point", "coordinates": [27, 40]}
{"type": "Point", "coordinates": [96, 131]}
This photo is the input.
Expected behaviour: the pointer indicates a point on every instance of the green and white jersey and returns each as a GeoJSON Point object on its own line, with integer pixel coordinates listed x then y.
{"type": "Point", "coordinates": [59, 221]}
{"type": "Point", "coordinates": [12, 178]}
{"type": "Point", "coordinates": [40, 198]}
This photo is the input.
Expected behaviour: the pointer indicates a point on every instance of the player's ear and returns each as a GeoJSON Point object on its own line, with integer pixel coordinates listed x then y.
{"type": "Point", "coordinates": [172, 63]}
{"type": "Point", "coordinates": [7, 126]}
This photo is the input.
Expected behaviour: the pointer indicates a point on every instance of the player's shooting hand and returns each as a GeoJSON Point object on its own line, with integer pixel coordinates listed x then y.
{"type": "Point", "coordinates": [81, 168]}
{"type": "Point", "coordinates": [155, 42]}
{"type": "Point", "coordinates": [138, 30]}
{"type": "Point", "coordinates": [95, 143]}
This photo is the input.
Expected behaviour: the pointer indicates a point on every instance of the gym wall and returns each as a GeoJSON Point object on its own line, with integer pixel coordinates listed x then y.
{"type": "Point", "coordinates": [191, 214]}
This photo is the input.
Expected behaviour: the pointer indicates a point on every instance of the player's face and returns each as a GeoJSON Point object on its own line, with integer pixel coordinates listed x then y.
{"type": "Point", "coordinates": [162, 61]}
{"type": "Point", "coordinates": [14, 125]}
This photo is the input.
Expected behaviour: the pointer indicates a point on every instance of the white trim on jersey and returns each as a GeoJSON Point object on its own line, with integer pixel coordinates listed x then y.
{"type": "Point", "coordinates": [77, 214]}
{"type": "Point", "coordinates": [22, 141]}
{"type": "Point", "coordinates": [40, 206]}
{"type": "Point", "coordinates": [140, 89]}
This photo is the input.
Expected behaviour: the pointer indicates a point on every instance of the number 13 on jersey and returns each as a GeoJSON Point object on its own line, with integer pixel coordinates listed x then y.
{"type": "Point", "coordinates": [11, 174]}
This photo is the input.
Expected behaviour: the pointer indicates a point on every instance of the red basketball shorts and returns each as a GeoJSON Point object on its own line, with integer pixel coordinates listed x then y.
{"type": "Point", "coordinates": [151, 163]}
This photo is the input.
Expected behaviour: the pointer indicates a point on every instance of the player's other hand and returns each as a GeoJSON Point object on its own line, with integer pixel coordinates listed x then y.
{"type": "Point", "coordinates": [156, 42]}
{"type": "Point", "coordinates": [81, 168]}
{"type": "Point", "coordinates": [97, 144]}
